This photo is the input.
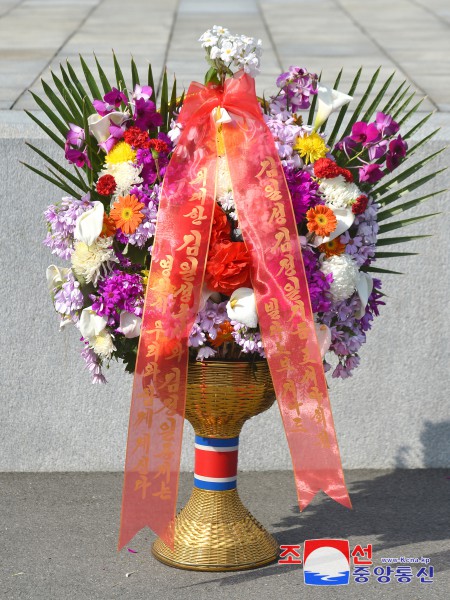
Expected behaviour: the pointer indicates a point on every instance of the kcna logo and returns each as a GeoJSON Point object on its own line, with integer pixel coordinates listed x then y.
{"type": "Point", "coordinates": [326, 562]}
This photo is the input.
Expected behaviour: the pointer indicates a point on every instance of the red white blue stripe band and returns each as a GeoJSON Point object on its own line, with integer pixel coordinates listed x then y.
{"type": "Point", "coordinates": [216, 463]}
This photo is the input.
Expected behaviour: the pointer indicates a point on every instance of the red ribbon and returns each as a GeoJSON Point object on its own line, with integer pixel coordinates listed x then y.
{"type": "Point", "coordinates": [176, 276]}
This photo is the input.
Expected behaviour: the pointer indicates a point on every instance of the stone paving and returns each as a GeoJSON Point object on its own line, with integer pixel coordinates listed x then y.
{"type": "Point", "coordinates": [411, 37]}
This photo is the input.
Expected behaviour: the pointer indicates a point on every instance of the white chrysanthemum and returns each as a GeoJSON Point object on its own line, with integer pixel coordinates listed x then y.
{"type": "Point", "coordinates": [345, 276]}
{"type": "Point", "coordinates": [126, 175]}
{"type": "Point", "coordinates": [89, 261]}
{"type": "Point", "coordinates": [102, 344]}
{"type": "Point", "coordinates": [338, 192]}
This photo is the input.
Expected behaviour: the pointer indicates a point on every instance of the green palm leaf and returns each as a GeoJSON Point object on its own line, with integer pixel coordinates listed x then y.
{"type": "Point", "coordinates": [101, 73]}
{"type": "Point", "coordinates": [120, 79]}
{"type": "Point", "coordinates": [343, 111]}
{"type": "Point", "coordinates": [51, 134]}
{"type": "Point", "coordinates": [90, 80]}
{"type": "Point", "coordinates": [67, 97]}
{"type": "Point", "coordinates": [57, 182]}
{"type": "Point", "coordinates": [394, 254]}
{"type": "Point", "coordinates": [400, 240]}
{"type": "Point", "coordinates": [134, 74]}
{"type": "Point", "coordinates": [404, 222]}
{"type": "Point", "coordinates": [80, 183]}
{"type": "Point", "coordinates": [395, 210]}
{"type": "Point", "coordinates": [73, 76]}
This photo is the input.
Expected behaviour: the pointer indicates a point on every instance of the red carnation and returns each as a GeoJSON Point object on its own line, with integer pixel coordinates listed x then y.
{"type": "Point", "coordinates": [348, 176]}
{"type": "Point", "coordinates": [221, 228]}
{"type": "Point", "coordinates": [227, 267]}
{"type": "Point", "coordinates": [106, 185]}
{"type": "Point", "coordinates": [325, 168]}
{"type": "Point", "coordinates": [136, 137]}
{"type": "Point", "coordinates": [159, 146]}
{"type": "Point", "coordinates": [360, 205]}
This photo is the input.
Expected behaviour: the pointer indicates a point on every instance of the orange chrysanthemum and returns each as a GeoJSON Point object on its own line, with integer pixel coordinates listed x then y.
{"type": "Point", "coordinates": [332, 248]}
{"type": "Point", "coordinates": [126, 213]}
{"type": "Point", "coordinates": [223, 334]}
{"type": "Point", "coordinates": [321, 220]}
{"type": "Point", "coordinates": [109, 227]}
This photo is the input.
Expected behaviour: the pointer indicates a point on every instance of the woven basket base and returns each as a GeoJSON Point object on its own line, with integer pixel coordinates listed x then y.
{"type": "Point", "coordinates": [215, 532]}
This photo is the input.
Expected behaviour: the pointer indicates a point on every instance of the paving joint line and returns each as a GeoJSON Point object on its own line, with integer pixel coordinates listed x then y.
{"type": "Point", "coordinates": [169, 41]}
{"type": "Point", "coordinates": [269, 35]}
{"type": "Point", "coordinates": [66, 41]}
{"type": "Point", "coordinates": [431, 12]}
{"type": "Point", "coordinates": [11, 8]}
{"type": "Point", "coordinates": [398, 66]}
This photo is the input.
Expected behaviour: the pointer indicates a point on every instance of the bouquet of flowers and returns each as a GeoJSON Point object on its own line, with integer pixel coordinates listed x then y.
{"type": "Point", "coordinates": [342, 179]}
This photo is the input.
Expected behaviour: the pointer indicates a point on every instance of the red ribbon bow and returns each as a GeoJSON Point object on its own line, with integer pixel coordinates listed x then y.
{"type": "Point", "coordinates": [176, 276]}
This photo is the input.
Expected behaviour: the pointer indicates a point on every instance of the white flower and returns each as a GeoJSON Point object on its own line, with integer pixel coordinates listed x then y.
{"type": "Point", "coordinates": [338, 192]}
{"type": "Point", "coordinates": [208, 39]}
{"type": "Point", "coordinates": [227, 51]}
{"type": "Point", "coordinates": [364, 287]}
{"type": "Point", "coordinates": [125, 174]}
{"type": "Point", "coordinates": [99, 126]}
{"type": "Point", "coordinates": [323, 335]}
{"type": "Point", "coordinates": [130, 324]}
{"type": "Point", "coordinates": [89, 261]}
{"type": "Point", "coordinates": [55, 277]}
{"type": "Point", "coordinates": [102, 344]}
{"type": "Point", "coordinates": [89, 224]}
{"type": "Point", "coordinates": [345, 276]}
{"type": "Point", "coordinates": [175, 132]}
{"type": "Point", "coordinates": [242, 307]}
{"type": "Point", "coordinates": [205, 352]}
{"type": "Point", "coordinates": [329, 100]}
{"type": "Point", "coordinates": [91, 324]}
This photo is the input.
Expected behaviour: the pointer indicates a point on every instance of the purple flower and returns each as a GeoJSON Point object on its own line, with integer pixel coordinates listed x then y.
{"type": "Point", "coordinates": [142, 91]}
{"type": "Point", "coordinates": [116, 132]}
{"type": "Point", "coordinates": [386, 125]}
{"type": "Point", "coordinates": [318, 282]}
{"type": "Point", "coordinates": [76, 157]}
{"type": "Point", "coordinates": [93, 365]}
{"type": "Point", "coordinates": [145, 115]}
{"type": "Point", "coordinates": [75, 136]}
{"type": "Point", "coordinates": [370, 173]}
{"type": "Point", "coordinates": [118, 292]}
{"type": "Point", "coordinates": [69, 299]}
{"type": "Point", "coordinates": [61, 220]}
{"type": "Point", "coordinates": [377, 150]}
{"type": "Point", "coordinates": [297, 85]}
{"type": "Point", "coordinates": [111, 100]}
{"type": "Point", "coordinates": [396, 153]}
{"type": "Point", "coordinates": [304, 192]}
{"type": "Point", "coordinates": [365, 133]}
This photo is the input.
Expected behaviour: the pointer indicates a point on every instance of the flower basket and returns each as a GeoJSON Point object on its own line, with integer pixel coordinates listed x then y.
{"type": "Point", "coordinates": [225, 248]}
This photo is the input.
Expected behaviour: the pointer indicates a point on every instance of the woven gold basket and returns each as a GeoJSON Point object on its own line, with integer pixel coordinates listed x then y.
{"type": "Point", "coordinates": [214, 531]}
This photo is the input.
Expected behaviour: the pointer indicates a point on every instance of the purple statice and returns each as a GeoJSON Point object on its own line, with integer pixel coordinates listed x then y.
{"type": "Point", "coordinates": [362, 245]}
{"type": "Point", "coordinates": [69, 300]}
{"type": "Point", "coordinates": [118, 292]}
{"type": "Point", "coordinates": [93, 365]}
{"type": "Point", "coordinates": [248, 340]}
{"type": "Point", "coordinates": [212, 315]}
{"type": "Point", "coordinates": [304, 192]}
{"type": "Point", "coordinates": [297, 86]}
{"type": "Point", "coordinates": [348, 333]}
{"type": "Point", "coordinates": [61, 220]}
{"type": "Point", "coordinates": [318, 282]}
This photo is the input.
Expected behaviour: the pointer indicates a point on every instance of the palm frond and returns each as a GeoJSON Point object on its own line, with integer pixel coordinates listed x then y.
{"type": "Point", "coordinates": [395, 210]}
{"type": "Point", "coordinates": [90, 79]}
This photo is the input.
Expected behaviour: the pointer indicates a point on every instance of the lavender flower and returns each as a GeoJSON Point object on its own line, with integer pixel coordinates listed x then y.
{"type": "Point", "coordinates": [93, 365]}
{"type": "Point", "coordinates": [69, 299]}
{"type": "Point", "coordinates": [61, 219]}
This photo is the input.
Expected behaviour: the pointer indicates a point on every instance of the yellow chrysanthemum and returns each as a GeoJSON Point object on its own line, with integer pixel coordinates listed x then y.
{"type": "Point", "coordinates": [311, 147]}
{"type": "Point", "coordinates": [122, 152]}
{"type": "Point", "coordinates": [144, 274]}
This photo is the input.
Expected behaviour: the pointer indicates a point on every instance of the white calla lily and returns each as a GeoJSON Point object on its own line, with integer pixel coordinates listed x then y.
{"type": "Point", "coordinates": [55, 276]}
{"type": "Point", "coordinates": [323, 335]}
{"type": "Point", "coordinates": [364, 287]}
{"type": "Point", "coordinates": [130, 324]}
{"type": "Point", "coordinates": [221, 115]}
{"type": "Point", "coordinates": [242, 307]}
{"type": "Point", "coordinates": [99, 126]}
{"type": "Point", "coordinates": [91, 324]}
{"type": "Point", "coordinates": [328, 100]}
{"type": "Point", "coordinates": [344, 218]}
{"type": "Point", "coordinates": [89, 224]}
